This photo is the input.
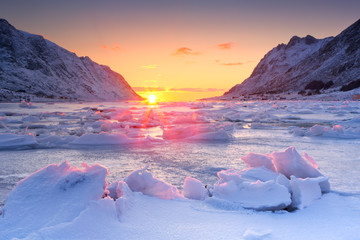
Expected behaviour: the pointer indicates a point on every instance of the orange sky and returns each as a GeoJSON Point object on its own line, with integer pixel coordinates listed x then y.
{"type": "Point", "coordinates": [186, 49]}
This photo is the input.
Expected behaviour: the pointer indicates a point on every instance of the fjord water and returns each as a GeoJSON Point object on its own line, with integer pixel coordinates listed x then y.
{"type": "Point", "coordinates": [327, 131]}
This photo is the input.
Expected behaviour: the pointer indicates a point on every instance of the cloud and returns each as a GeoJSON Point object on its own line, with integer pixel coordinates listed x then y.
{"type": "Point", "coordinates": [232, 64]}
{"type": "Point", "coordinates": [225, 46]}
{"type": "Point", "coordinates": [151, 66]}
{"type": "Point", "coordinates": [113, 47]}
{"type": "Point", "coordinates": [185, 51]}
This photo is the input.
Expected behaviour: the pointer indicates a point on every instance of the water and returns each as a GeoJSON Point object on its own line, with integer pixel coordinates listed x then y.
{"type": "Point", "coordinates": [260, 127]}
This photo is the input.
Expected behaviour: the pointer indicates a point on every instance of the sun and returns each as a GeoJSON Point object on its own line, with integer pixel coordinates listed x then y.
{"type": "Point", "coordinates": [152, 99]}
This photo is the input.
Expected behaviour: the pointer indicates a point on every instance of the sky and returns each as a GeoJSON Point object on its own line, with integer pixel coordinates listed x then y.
{"type": "Point", "coordinates": [179, 49]}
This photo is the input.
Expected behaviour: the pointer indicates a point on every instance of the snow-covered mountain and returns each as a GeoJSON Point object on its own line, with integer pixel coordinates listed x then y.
{"type": "Point", "coordinates": [307, 65]}
{"type": "Point", "coordinates": [31, 66]}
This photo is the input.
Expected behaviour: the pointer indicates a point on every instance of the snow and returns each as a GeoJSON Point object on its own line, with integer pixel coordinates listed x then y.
{"type": "Point", "coordinates": [287, 70]}
{"type": "Point", "coordinates": [289, 163]}
{"type": "Point", "coordinates": [255, 195]}
{"type": "Point", "coordinates": [65, 202]}
{"type": "Point", "coordinates": [305, 191]}
{"type": "Point", "coordinates": [219, 170]}
{"type": "Point", "coordinates": [52, 195]}
{"type": "Point", "coordinates": [194, 189]}
{"type": "Point", "coordinates": [143, 181]}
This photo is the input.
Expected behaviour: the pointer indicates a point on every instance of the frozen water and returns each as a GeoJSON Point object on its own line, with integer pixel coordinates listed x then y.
{"type": "Point", "coordinates": [176, 141]}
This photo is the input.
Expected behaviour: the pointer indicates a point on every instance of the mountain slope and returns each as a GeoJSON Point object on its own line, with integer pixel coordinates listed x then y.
{"type": "Point", "coordinates": [304, 63]}
{"type": "Point", "coordinates": [33, 66]}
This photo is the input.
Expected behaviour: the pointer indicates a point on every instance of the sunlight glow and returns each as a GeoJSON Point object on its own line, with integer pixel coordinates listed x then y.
{"type": "Point", "coordinates": [152, 99]}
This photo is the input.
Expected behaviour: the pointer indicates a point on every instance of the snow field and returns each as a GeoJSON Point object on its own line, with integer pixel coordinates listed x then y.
{"type": "Point", "coordinates": [60, 201]}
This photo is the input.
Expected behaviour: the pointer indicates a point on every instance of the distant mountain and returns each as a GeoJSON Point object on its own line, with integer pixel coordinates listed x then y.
{"type": "Point", "coordinates": [31, 66]}
{"type": "Point", "coordinates": [308, 66]}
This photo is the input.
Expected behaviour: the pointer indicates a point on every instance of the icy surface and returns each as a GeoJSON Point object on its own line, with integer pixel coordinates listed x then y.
{"type": "Point", "coordinates": [185, 148]}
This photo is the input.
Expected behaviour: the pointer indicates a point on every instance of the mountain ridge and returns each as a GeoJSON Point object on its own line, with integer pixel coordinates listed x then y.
{"type": "Point", "coordinates": [32, 66]}
{"type": "Point", "coordinates": [291, 67]}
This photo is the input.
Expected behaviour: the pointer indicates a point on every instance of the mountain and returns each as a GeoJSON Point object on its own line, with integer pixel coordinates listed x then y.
{"type": "Point", "coordinates": [308, 66]}
{"type": "Point", "coordinates": [31, 66]}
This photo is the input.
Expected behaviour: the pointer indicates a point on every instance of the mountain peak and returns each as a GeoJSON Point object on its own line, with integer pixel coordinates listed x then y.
{"type": "Point", "coordinates": [5, 26]}
{"type": "Point", "coordinates": [294, 40]}
{"type": "Point", "coordinates": [334, 62]}
{"type": "Point", "coordinates": [38, 68]}
{"type": "Point", "coordinates": [3, 21]}
{"type": "Point", "coordinates": [308, 40]}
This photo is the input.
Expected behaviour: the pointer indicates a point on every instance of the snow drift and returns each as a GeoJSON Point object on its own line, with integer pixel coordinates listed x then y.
{"type": "Point", "coordinates": [60, 199]}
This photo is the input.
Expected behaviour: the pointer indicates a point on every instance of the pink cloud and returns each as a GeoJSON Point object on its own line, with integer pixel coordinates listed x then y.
{"type": "Point", "coordinates": [225, 46]}
{"type": "Point", "coordinates": [113, 47]}
{"type": "Point", "coordinates": [185, 51]}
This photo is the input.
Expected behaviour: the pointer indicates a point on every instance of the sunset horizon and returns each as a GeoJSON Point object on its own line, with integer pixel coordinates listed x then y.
{"type": "Point", "coordinates": [180, 119]}
{"type": "Point", "coordinates": [185, 51]}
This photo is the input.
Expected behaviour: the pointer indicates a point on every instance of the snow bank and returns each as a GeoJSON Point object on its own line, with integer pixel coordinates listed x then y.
{"type": "Point", "coordinates": [288, 163]}
{"type": "Point", "coordinates": [53, 195]}
{"type": "Point", "coordinates": [64, 202]}
{"type": "Point", "coordinates": [143, 181]}
{"type": "Point", "coordinates": [273, 182]}
{"type": "Point", "coordinates": [194, 189]}
{"type": "Point", "coordinates": [251, 193]}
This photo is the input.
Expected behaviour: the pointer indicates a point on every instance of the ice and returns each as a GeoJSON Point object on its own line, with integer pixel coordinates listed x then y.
{"type": "Point", "coordinates": [64, 202]}
{"type": "Point", "coordinates": [194, 189]}
{"type": "Point", "coordinates": [266, 186]}
{"type": "Point", "coordinates": [190, 118]}
{"type": "Point", "coordinates": [124, 196]}
{"type": "Point", "coordinates": [52, 195]}
{"type": "Point", "coordinates": [24, 104]}
{"type": "Point", "coordinates": [197, 133]}
{"type": "Point", "coordinates": [121, 115]}
{"type": "Point", "coordinates": [251, 193]}
{"type": "Point", "coordinates": [258, 160]}
{"type": "Point", "coordinates": [104, 138]}
{"type": "Point", "coordinates": [142, 181]}
{"type": "Point", "coordinates": [8, 141]}
{"type": "Point", "coordinates": [305, 191]}
{"type": "Point", "coordinates": [288, 163]}
{"type": "Point", "coordinates": [253, 197]}
{"type": "Point", "coordinates": [336, 131]}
